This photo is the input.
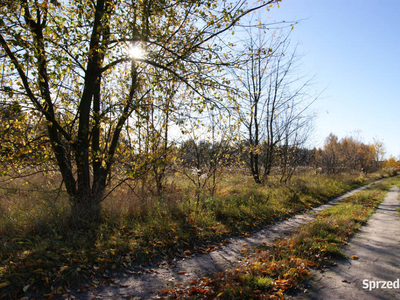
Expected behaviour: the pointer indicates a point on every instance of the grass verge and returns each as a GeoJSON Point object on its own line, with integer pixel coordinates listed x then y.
{"type": "Point", "coordinates": [271, 272]}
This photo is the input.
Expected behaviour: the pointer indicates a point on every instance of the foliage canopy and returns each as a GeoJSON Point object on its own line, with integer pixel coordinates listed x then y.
{"type": "Point", "coordinates": [67, 63]}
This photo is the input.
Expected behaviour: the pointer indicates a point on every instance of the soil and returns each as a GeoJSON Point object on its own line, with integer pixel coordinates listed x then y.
{"type": "Point", "coordinates": [146, 281]}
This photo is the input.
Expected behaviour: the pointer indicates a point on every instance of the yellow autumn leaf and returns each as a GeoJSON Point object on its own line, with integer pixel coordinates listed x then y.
{"type": "Point", "coordinates": [63, 268]}
{"type": "Point", "coordinates": [4, 284]}
{"type": "Point", "coordinates": [60, 290]}
{"type": "Point", "coordinates": [283, 281]}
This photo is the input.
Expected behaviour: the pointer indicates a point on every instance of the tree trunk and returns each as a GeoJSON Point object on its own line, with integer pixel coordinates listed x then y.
{"type": "Point", "coordinates": [86, 207]}
{"type": "Point", "coordinates": [255, 167]}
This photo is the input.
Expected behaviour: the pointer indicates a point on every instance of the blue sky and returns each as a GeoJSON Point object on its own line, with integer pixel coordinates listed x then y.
{"type": "Point", "coordinates": [353, 49]}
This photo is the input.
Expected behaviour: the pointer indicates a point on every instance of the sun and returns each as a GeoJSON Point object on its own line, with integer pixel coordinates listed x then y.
{"type": "Point", "coordinates": [135, 52]}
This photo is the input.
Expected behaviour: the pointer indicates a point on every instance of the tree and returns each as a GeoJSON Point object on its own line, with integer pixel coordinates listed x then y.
{"type": "Point", "coordinates": [68, 62]}
{"type": "Point", "coordinates": [348, 154]}
{"type": "Point", "coordinates": [380, 151]}
{"type": "Point", "coordinates": [152, 146]}
{"type": "Point", "coordinates": [291, 152]}
{"type": "Point", "coordinates": [330, 154]}
{"type": "Point", "coordinates": [207, 150]}
{"type": "Point", "coordinates": [391, 163]}
{"type": "Point", "coordinates": [272, 104]}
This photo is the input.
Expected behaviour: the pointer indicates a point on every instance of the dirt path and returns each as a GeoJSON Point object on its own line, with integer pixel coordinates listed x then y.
{"type": "Point", "coordinates": [377, 248]}
{"type": "Point", "coordinates": [146, 283]}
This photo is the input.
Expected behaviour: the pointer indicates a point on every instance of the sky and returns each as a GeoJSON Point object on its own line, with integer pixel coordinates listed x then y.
{"type": "Point", "coordinates": [352, 49]}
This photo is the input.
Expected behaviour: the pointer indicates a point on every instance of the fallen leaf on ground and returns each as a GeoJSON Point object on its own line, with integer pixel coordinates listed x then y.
{"type": "Point", "coordinates": [345, 280]}
{"type": "Point", "coordinates": [166, 291]}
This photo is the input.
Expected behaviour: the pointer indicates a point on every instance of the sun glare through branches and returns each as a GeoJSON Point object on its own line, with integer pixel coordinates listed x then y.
{"type": "Point", "coordinates": [135, 52]}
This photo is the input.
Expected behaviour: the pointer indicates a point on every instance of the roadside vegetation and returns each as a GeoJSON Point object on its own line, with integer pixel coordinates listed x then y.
{"type": "Point", "coordinates": [42, 253]}
{"type": "Point", "coordinates": [274, 271]}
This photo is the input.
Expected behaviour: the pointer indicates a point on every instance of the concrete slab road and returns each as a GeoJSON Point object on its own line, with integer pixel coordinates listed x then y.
{"type": "Point", "coordinates": [376, 272]}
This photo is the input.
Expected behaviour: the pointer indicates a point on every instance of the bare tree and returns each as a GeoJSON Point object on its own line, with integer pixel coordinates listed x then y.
{"type": "Point", "coordinates": [204, 156]}
{"type": "Point", "coordinates": [273, 102]}
{"type": "Point", "coordinates": [291, 153]}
